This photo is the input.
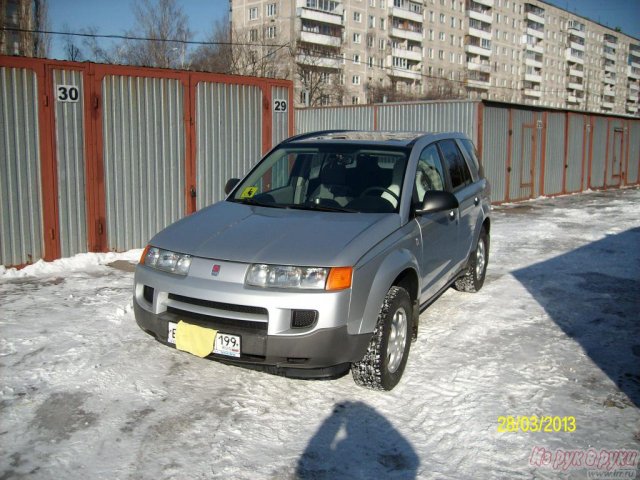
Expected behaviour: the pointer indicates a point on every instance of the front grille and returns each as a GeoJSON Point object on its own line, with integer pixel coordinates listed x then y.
{"type": "Point", "coordinates": [219, 305]}
{"type": "Point", "coordinates": [216, 322]}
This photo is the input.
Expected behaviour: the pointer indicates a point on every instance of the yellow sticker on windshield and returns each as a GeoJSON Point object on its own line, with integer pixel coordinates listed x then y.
{"type": "Point", "coordinates": [248, 192]}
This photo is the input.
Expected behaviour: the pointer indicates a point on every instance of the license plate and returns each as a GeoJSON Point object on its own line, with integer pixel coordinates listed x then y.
{"type": "Point", "coordinates": [224, 344]}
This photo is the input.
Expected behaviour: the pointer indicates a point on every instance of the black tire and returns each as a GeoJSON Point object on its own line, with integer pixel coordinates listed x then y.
{"type": "Point", "coordinates": [378, 370]}
{"type": "Point", "coordinates": [474, 276]}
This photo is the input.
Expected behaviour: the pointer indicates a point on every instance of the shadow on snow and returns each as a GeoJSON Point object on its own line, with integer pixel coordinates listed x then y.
{"type": "Point", "coordinates": [356, 442]}
{"type": "Point", "coordinates": [593, 294]}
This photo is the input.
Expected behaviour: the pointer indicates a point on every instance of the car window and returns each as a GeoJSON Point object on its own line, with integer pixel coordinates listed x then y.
{"type": "Point", "coordinates": [455, 164]}
{"type": "Point", "coordinates": [472, 154]}
{"type": "Point", "coordinates": [430, 174]}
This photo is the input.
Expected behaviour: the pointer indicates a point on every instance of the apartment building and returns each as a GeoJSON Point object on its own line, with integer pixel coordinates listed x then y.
{"type": "Point", "coordinates": [522, 51]}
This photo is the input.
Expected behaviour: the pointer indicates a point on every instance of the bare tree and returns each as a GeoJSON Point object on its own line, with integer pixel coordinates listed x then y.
{"type": "Point", "coordinates": [98, 53]}
{"type": "Point", "coordinates": [318, 73]}
{"type": "Point", "coordinates": [71, 50]}
{"type": "Point", "coordinates": [217, 56]}
{"type": "Point", "coordinates": [166, 24]}
{"type": "Point", "coordinates": [253, 53]}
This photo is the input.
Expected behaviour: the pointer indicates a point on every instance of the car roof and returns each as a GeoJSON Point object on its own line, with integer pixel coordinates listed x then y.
{"type": "Point", "coordinates": [388, 138]}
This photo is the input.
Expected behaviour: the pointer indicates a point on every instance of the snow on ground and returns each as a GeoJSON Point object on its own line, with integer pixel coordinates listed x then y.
{"type": "Point", "coordinates": [555, 331]}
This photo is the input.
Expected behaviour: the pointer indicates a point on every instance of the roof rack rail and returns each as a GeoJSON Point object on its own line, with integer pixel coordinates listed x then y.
{"type": "Point", "coordinates": [302, 136]}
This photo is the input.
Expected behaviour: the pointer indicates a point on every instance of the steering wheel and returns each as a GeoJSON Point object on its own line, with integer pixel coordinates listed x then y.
{"type": "Point", "coordinates": [380, 189]}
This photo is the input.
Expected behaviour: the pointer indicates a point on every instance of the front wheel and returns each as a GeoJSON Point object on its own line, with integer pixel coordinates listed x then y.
{"type": "Point", "coordinates": [474, 276]}
{"type": "Point", "coordinates": [382, 366]}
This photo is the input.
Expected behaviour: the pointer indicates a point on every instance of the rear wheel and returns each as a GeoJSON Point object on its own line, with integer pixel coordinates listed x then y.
{"type": "Point", "coordinates": [473, 279]}
{"type": "Point", "coordinates": [382, 366]}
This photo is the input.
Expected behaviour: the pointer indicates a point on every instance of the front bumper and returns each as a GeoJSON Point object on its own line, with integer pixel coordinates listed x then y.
{"type": "Point", "coordinates": [262, 318]}
{"type": "Point", "coordinates": [324, 353]}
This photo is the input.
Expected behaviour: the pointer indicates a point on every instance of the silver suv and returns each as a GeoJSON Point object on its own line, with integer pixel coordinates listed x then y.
{"type": "Point", "coordinates": [321, 259]}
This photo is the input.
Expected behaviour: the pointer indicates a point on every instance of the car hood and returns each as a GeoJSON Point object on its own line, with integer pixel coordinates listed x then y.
{"type": "Point", "coordinates": [253, 234]}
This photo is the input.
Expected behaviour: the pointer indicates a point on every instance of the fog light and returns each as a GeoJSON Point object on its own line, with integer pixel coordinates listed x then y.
{"type": "Point", "coordinates": [303, 318]}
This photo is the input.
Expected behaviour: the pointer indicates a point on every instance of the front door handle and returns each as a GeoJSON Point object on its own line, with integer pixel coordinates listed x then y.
{"type": "Point", "coordinates": [476, 201]}
{"type": "Point", "coordinates": [452, 214]}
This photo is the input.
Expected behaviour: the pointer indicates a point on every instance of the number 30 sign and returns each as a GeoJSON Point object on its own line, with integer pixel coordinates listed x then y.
{"type": "Point", "coordinates": [67, 93]}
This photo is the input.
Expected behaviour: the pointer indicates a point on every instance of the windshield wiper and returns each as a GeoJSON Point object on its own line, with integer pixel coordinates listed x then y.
{"type": "Point", "coordinates": [253, 201]}
{"type": "Point", "coordinates": [322, 208]}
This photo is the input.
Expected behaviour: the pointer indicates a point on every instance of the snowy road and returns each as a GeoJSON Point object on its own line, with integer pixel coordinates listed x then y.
{"type": "Point", "coordinates": [555, 332]}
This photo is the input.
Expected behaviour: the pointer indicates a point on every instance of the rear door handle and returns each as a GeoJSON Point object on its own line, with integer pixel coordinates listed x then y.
{"type": "Point", "coordinates": [452, 214]}
{"type": "Point", "coordinates": [476, 201]}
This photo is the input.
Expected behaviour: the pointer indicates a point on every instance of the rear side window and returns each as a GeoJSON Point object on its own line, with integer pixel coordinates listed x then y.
{"type": "Point", "coordinates": [455, 164]}
{"type": "Point", "coordinates": [472, 154]}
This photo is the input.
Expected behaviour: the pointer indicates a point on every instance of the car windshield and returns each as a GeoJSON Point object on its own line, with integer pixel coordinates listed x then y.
{"type": "Point", "coordinates": [329, 177]}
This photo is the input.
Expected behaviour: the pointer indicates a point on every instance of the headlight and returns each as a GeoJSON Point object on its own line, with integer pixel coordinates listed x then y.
{"type": "Point", "coordinates": [166, 261]}
{"type": "Point", "coordinates": [286, 276]}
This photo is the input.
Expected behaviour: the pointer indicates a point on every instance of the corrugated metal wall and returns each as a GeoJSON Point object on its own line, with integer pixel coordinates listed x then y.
{"type": "Point", "coordinates": [280, 117]}
{"type": "Point", "coordinates": [598, 153]}
{"type": "Point", "coordinates": [144, 153]}
{"type": "Point", "coordinates": [69, 140]}
{"type": "Point", "coordinates": [575, 153]}
{"type": "Point", "coordinates": [524, 155]}
{"type": "Point", "coordinates": [633, 175]}
{"type": "Point", "coordinates": [229, 136]}
{"type": "Point", "coordinates": [615, 152]}
{"type": "Point", "coordinates": [554, 154]}
{"type": "Point", "coordinates": [326, 118]}
{"type": "Point", "coordinates": [20, 183]}
{"type": "Point", "coordinates": [495, 139]}
{"type": "Point", "coordinates": [430, 117]}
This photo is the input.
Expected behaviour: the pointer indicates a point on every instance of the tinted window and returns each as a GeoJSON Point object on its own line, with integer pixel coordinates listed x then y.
{"type": "Point", "coordinates": [430, 174]}
{"type": "Point", "coordinates": [472, 154]}
{"type": "Point", "coordinates": [455, 164]}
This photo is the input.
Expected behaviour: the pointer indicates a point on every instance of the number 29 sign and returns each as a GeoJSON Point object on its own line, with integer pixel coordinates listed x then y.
{"type": "Point", "coordinates": [67, 93]}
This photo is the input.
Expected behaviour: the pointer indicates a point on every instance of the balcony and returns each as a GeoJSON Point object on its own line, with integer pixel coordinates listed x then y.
{"type": "Point", "coordinates": [537, 48]}
{"type": "Point", "coordinates": [486, 3]}
{"type": "Point", "coordinates": [575, 86]}
{"type": "Point", "coordinates": [574, 29]}
{"type": "Point", "coordinates": [530, 62]}
{"type": "Point", "coordinates": [406, 34]}
{"type": "Point", "coordinates": [402, 73]}
{"type": "Point", "coordinates": [633, 72]}
{"type": "Point", "coordinates": [477, 50]}
{"type": "Point", "coordinates": [577, 46]}
{"type": "Point", "coordinates": [479, 84]}
{"type": "Point", "coordinates": [483, 16]}
{"type": "Point", "coordinates": [406, 14]}
{"type": "Point", "coordinates": [607, 105]}
{"type": "Point", "coordinates": [632, 109]}
{"type": "Point", "coordinates": [634, 87]}
{"type": "Point", "coordinates": [634, 63]}
{"type": "Point", "coordinates": [609, 56]}
{"type": "Point", "coordinates": [479, 67]}
{"type": "Point", "coordinates": [535, 33]}
{"type": "Point", "coordinates": [533, 77]}
{"type": "Point", "coordinates": [320, 16]}
{"type": "Point", "coordinates": [573, 99]}
{"type": "Point", "coordinates": [476, 32]}
{"type": "Point", "coordinates": [529, 92]}
{"type": "Point", "coordinates": [320, 62]}
{"type": "Point", "coordinates": [320, 39]}
{"type": "Point", "coordinates": [576, 73]}
{"type": "Point", "coordinates": [408, 54]}
{"type": "Point", "coordinates": [609, 80]}
{"type": "Point", "coordinates": [610, 44]}
{"type": "Point", "coordinates": [572, 57]}
{"type": "Point", "coordinates": [534, 17]}
{"type": "Point", "coordinates": [632, 97]}
{"type": "Point", "coordinates": [610, 68]}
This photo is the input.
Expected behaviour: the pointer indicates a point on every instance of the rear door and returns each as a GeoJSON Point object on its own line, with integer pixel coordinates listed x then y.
{"type": "Point", "coordinates": [468, 194]}
{"type": "Point", "coordinates": [439, 231]}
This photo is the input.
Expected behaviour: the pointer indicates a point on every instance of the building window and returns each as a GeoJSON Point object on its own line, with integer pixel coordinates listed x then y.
{"type": "Point", "coordinates": [382, 44]}
{"type": "Point", "coordinates": [253, 35]}
{"type": "Point", "coordinates": [356, 38]}
{"type": "Point", "coordinates": [253, 13]}
{"type": "Point", "coordinates": [355, 80]}
{"type": "Point", "coordinates": [372, 21]}
{"type": "Point", "coordinates": [271, 10]}
{"type": "Point", "coordinates": [441, 54]}
{"type": "Point", "coordinates": [431, 35]}
{"type": "Point", "coordinates": [442, 36]}
{"type": "Point", "coordinates": [382, 24]}
{"type": "Point", "coordinates": [271, 32]}
{"type": "Point", "coordinates": [356, 59]}
{"type": "Point", "coordinates": [355, 100]}
{"type": "Point", "coordinates": [357, 17]}
{"type": "Point", "coordinates": [443, 19]}
{"type": "Point", "coordinates": [370, 41]}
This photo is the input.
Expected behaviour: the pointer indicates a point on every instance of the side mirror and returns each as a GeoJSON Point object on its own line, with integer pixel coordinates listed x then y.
{"type": "Point", "coordinates": [231, 183]}
{"type": "Point", "coordinates": [437, 201]}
